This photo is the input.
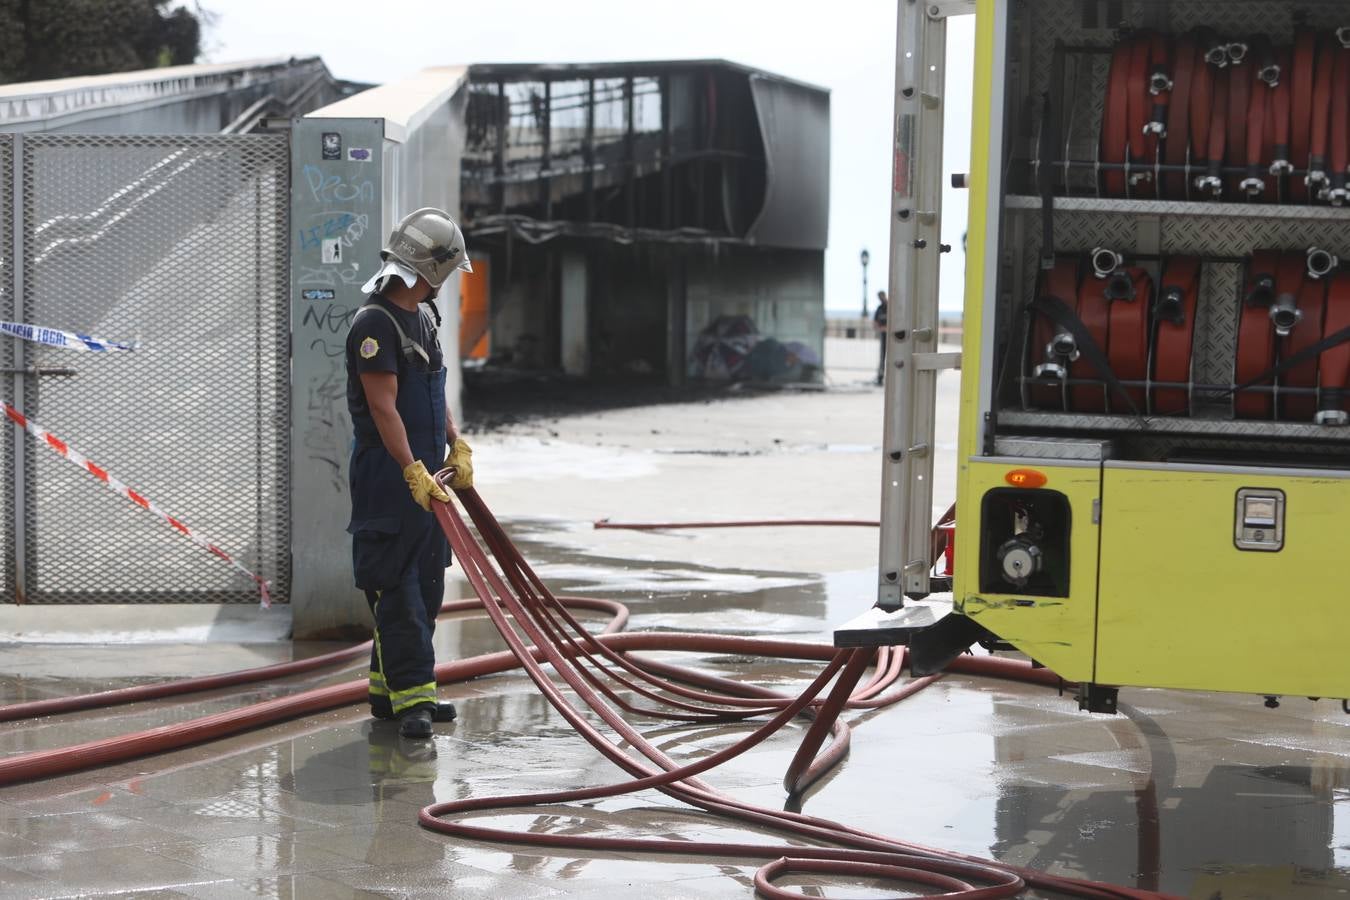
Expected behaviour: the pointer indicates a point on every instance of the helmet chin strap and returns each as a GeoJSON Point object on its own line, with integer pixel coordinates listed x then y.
{"type": "Point", "coordinates": [430, 300]}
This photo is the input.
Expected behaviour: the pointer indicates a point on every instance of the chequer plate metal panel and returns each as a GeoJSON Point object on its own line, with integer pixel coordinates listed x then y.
{"type": "Point", "coordinates": [1170, 425]}
{"type": "Point", "coordinates": [8, 360]}
{"type": "Point", "coordinates": [1280, 211]}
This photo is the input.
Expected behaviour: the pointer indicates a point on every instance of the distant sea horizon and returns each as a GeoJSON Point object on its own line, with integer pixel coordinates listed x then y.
{"type": "Point", "coordinates": [856, 311]}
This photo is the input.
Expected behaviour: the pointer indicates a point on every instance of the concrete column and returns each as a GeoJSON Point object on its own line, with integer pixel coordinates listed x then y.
{"type": "Point", "coordinates": [575, 327]}
{"type": "Point", "coordinates": [677, 322]}
{"type": "Point", "coordinates": [336, 231]}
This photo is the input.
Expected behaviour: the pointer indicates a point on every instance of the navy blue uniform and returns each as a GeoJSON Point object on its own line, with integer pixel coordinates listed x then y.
{"type": "Point", "coordinates": [399, 553]}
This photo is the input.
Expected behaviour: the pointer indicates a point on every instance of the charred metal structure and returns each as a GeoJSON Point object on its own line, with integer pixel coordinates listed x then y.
{"type": "Point", "coordinates": [615, 211]}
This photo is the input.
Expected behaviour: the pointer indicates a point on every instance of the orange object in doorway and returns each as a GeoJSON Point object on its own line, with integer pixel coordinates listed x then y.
{"type": "Point", "coordinates": [475, 311]}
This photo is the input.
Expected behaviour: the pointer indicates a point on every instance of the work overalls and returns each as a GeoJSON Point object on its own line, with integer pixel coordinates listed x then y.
{"type": "Point", "coordinates": [399, 553]}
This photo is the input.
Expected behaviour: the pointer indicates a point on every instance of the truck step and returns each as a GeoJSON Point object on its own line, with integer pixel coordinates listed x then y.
{"type": "Point", "coordinates": [884, 628]}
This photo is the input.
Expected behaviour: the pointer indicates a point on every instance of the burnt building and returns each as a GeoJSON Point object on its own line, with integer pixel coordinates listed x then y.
{"type": "Point", "coordinates": [616, 212]}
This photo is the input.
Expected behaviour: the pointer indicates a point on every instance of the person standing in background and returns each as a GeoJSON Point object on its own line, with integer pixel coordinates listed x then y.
{"type": "Point", "coordinates": [879, 325]}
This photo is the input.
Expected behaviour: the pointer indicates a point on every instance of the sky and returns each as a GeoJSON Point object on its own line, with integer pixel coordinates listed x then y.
{"type": "Point", "coordinates": [847, 46]}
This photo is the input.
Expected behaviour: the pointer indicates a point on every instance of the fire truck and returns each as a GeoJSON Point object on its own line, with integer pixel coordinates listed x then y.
{"type": "Point", "coordinates": [1153, 484]}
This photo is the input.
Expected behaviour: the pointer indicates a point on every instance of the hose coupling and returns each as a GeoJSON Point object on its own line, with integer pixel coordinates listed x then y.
{"type": "Point", "coordinates": [1171, 305]}
{"type": "Point", "coordinates": [1105, 261]}
{"type": "Point", "coordinates": [1321, 263]}
{"type": "Point", "coordinates": [1285, 314]}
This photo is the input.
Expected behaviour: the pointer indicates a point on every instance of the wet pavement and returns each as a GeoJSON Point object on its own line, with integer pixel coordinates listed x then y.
{"type": "Point", "coordinates": [1203, 795]}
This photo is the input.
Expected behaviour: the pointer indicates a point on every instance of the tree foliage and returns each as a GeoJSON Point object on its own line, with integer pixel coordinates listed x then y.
{"type": "Point", "coordinates": [42, 39]}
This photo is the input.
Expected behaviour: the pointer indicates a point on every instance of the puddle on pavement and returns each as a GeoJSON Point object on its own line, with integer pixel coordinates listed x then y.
{"type": "Point", "coordinates": [1198, 795]}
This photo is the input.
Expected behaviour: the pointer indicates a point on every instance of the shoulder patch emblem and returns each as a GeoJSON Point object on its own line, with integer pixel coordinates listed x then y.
{"type": "Point", "coordinates": [369, 347]}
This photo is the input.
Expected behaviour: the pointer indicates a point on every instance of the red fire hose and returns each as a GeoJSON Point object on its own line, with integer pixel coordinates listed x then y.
{"type": "Point", "coordinates": [1185, 61]}
{"type": "Point", "coordinates": [32, 709]}
{"type": "Point", "coordinates": [1280, 126]}
{"type": "Point", "coordinates": [1127, 348]}
{"type": "Point", "coordinates": [1239, 77]}
{"type": "Point", "coordinates": [1116, 121]}
{"type": "Point", "coordinates": [1311, 306]}
{"type": "Point", "coordinates": [1335, 376]}
{"type": "Point", "coordinates": [1061, 281]}
{"type": "Point", "coordinates": [748, 523]}
{"type": "Point", "coordinates": [1160, 86]}
{"type": "Point", "coordinates": [1143, 146]}
{"type": "Point", "coordinates": [517, 599]}
{"type": "Point", "coordinates": [1319, 142]}
{"type": "Point", "coordinates": [1179, 289]}
{"type": "Point", "coordinates": [1301, 109]}
{"type": "Point", "coordinates": [1216, 142]}
{"type": "Point", "coordinates": [1338, 150]}
{"type": "Point", "coordinates": [1202, 113]}
{"type": "Point", "coordinates": [1149, 57]}
{"type": "Point", "coordinates": [1259, 122]}
{"type": "Point", "coordinates": [519, 593]}
{"type": "Point", "coordinates": [1094, 311]}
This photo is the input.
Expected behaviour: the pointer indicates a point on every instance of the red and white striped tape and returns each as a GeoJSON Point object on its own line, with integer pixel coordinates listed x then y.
{"type": "Point", "coordinates": [63, 449]}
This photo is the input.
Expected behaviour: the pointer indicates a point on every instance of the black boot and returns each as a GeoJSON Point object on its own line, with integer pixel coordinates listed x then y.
{"type": "Point", "coordinates": [445, 712]}
{"type": "Point", "coordinates": [416, 722]}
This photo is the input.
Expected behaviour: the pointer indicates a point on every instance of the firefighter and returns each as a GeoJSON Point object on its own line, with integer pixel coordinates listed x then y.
{"type": "Point", "coordinates": [396, 396]}
{"type": "Point", "coordinates": [879, 326]}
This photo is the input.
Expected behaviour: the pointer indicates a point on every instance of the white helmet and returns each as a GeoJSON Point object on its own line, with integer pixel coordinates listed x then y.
{"type": "Point", "coordinates": [430, 243]}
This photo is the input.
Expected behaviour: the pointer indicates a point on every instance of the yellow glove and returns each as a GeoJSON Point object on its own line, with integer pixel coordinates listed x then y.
{"type": "Point", "coordinates": [461, 457]}
{"type": "Point", "coordinates": [423, 486]}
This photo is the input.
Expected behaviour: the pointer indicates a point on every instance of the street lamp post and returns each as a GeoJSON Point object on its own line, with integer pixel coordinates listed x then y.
{"type": "Point", "coordinates": [864, 257]}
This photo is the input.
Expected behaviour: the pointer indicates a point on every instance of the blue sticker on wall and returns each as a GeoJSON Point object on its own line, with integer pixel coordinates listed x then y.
{"type": "Point", "coordinates": [318, 294]}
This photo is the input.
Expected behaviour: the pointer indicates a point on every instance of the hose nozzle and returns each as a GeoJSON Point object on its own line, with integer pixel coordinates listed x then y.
{"type": "Point", "coordinates": [1343, 35]}
{"type": "Point", "coordinates": [1237, 53]}
{"type": "Point", "coordinates": [1159, 83]}
{"type": "Point", "coordinates": [1217, 55]}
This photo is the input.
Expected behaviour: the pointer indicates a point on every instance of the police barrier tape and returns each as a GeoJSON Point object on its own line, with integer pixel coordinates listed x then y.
{"type": "Point", "coordinates": [64, 450]}
{"type": "Point", "coordinates": [56, 337]}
